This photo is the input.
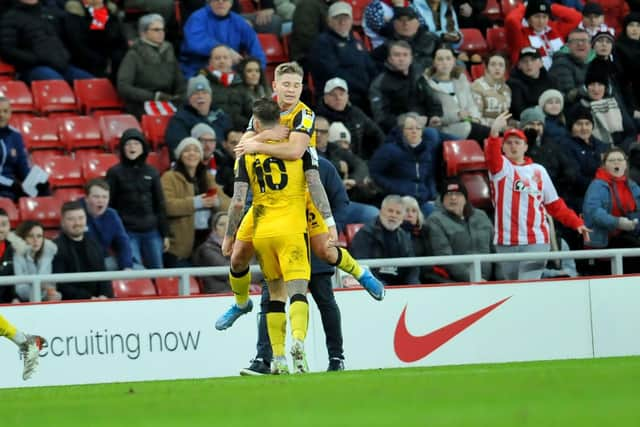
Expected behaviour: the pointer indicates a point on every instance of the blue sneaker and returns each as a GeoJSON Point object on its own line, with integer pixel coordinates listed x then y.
{"type": "Point", "coordinates": [371, 284]}
{"type": "Point", "coordinates": [226, 320]}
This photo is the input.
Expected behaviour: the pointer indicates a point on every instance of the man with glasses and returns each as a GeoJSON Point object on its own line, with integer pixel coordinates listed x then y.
{"type": "Point", "coordinates": [569, 68]}
{"type": "Point", "coordinates": [212, 25]}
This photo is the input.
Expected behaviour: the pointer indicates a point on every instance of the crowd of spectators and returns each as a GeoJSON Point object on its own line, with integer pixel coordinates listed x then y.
{"type": "Point", "coordinates": [566, 94]}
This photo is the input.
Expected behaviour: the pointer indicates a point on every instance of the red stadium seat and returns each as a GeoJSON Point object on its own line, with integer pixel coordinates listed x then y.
{"type": "Point", "coordinates": [96, 94]}
{"type": "Point", "coordinates": [492, 11]}
{"type": "Point", "coordinates": [45, 210]}
{"type": "Point", "coordinates": [53, 96]}
{"type": "Point", "coordinates": [63, 171]}
{"type": "Point", "coordinates": [272, 47]}
{"type": "Point", "coordinates": [133, 288]}
{"type": "Point", "coordinates": [168, 286]}
{"type": "Point", "coordinates": [463, 155]}
{"type": "Point", "coordinates": [247, 6]}
{"type": "Point", "coordinates": [112, 127]}
{"type": "Point", "coordinates": [19, 96]}
{"type": "Point", "coordinates": [477, 71]}
{"type": "Point", "coordinates": [68, 194]}
{"type": "Point", "coordinates": [7, 71]}
{"type": "Point", "coordinates": [497, 40]}
{"type": "Point", "coordinates": [80, 132]}
{"type": "Point", "coordinates": [477, 185]}
{"type": "Point", "coordinates": [350, 230]}
{"type": "Point", "coordinates": [154, 128]}
{"type": "Point", "coordinates": [11, 210]}
{"type": "Point", "coordinates": [96, 166]}
{"type": "Point", "coordinates": [473, 41]}
{"type": "Point", "coordinates": [40, 134]}
{"type": "Point", "coordinates": [160, 161]}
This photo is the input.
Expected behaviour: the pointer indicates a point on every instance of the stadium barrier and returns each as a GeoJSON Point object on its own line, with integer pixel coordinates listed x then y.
{"type": "Point", "coordinates": [174, 338]}
{"type": "Point", "coordinates": [474, 261]}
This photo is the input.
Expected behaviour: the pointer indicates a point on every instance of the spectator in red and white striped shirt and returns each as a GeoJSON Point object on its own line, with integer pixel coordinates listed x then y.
{"type": "Point", "coordinates": [522, 194]}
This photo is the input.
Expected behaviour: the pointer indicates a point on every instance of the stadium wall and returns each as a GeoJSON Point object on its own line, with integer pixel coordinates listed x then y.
{"type": "Point", "coordinates": [156, 339]}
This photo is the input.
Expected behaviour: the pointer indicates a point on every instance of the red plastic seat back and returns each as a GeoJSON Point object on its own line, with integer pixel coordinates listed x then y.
{"type": "Point", "coordinates": [63, 171]}
{"type": "Point", "coordinates": [133, 288]}
{"type": "Point", "coordinates": [463, 155]}
{"type": "Point", "coordinates": [473, 41]}
{"type": "Point", "coordinates": [46, 210]}
{"type": "Point", "coordinates": [168, 286]}
{"type": "Point", "coordinates": [112, 127]}
{"type": "Point", "coordinates": [96, 94]}
{"type": "Point", "coordinates": [80, 132]}
{"type": "Point", "coordinates": [53, 96]}
{"type": "Point", "coordinates": [497, 40]}
{"type": "Point", "coordinates": [478, 190]}
{"type": "Point", "coordinates": [39, 133]}
{"type": "Point", "coordinates": [97, 165]}
{"type": "Point", "coordinates": [350, 230]}
{"type": "Point", "coordinates": [19, 96]}
{"type": "Point", "coordinates": [12, 210]}
{"type": "Point", "coordinates": [154, 128]}
{"type": "Point", "coordinates": [272, 48]}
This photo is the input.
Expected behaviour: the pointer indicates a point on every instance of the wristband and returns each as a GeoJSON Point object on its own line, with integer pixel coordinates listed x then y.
{"type": "Point", "coordinates": [330, 222]}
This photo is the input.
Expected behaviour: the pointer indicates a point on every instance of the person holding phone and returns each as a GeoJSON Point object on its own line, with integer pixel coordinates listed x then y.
{"type": "Point", "coordinates": [192, 196]}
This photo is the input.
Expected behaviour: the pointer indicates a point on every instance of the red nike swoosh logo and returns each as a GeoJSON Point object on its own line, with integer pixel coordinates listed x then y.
{"type": "Point", "coordinates": [410, 348]}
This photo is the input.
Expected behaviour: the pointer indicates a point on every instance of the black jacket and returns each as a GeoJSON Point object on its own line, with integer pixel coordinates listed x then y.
{"type": "Point", "coordinates": [77, 258]}
{"type": "Point", "coordinates": [370, 242]}
{"type": "Point", "coordinates": [366, 135]}
{"type": "Point", "coordinates": [136, 192]}
{"type": "Point", "coordinates": [525, 91]}
{"type": "Point", "coordinates": [7, 293]}
{"type": "Point", "coordinates": [91, 50]}
{"type": "Point", "coordinates": [423, 45]}
{"type": "Point", "coordinates": [392, 93]}
{"type": "Point", "coordinates": [31, 35]}
{"type": "Point", "coordinates": [561, 168]}
{"type": "Point", "coordinates": [627, 54]}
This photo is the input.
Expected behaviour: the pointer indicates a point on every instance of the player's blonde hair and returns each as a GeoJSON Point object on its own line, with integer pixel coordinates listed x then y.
{"type": "Point", "coordinates": [288, 68]}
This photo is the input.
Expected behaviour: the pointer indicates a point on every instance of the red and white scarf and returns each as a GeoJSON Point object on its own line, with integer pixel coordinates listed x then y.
{"type": "Point", "coordinates": [547, 43]}
{"type": "Point", "coordinates": [224, 78]}
{"type": "Point", "coordinates": [159, 108]}
{"type": "Point", "coordinates": [99, 17]}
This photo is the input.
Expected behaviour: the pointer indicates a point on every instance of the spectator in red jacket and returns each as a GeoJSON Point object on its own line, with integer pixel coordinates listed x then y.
{"type": "Point", "coordinates": [532, 26]}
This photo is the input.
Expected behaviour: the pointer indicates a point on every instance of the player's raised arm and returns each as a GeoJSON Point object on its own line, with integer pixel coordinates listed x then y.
{"type": "Point", "coordinates": [236, 207]}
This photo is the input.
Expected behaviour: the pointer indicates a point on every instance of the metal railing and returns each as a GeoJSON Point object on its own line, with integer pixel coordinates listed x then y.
{"type": "Point", "coordinates": [474, 262]}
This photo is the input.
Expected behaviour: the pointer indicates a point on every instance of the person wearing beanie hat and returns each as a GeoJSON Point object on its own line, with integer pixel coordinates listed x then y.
{"type": "Point", "coordinates": [531, 25]}
{"type": "Point", "coordinates": [136, 194]}
{"type": "Point", "coordinates": [458, 228]}
{"type": "Point", "coordinates": [551, 104]}
{"type": "Point", "coordinates": [571, 63]}
{"type": "Point", "coordinates": [527, 81]}
{"type": "Point", "coordinates": [207, 137]}
{"type": "Point", "coordinates": [339, 134]}
{"type": "Point", "coordinates": [523, 190]}
{"type": "Point", "coordinates": [532, 116]}
{"type": "Point", "coordinates": [593, 19]}
{"type": "Point", "coordinates": [627, 54]}
{"type": "Point", "coordinates": [192, 196]}
{"type": "Point", "coordinates": [602, 44]}
{"type": "Point", "coordinates": [198, 109]}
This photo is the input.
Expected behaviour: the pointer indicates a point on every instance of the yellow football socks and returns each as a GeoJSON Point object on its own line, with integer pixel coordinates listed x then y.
{"type": "Point", "coordinates": [347, 264]}
{"type": "Point", "coordinates": [7, 329]}
{"type": "Point", "coordinates": [240, 283]}
{"type": "Point", "coordinates": [299, 316]}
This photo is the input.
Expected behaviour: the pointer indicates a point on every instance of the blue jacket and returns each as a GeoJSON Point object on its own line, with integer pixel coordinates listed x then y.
{"type": "Point", "coordinates": [204, 30]}
{"type": "Point", "coordinates": [336, 56]}
{"type": "Point", "coordinates": [597, 211]}
{"type": "Point", "coordinates": [587, 159]}
{"type": "Point", "coordinates": [399, 169]}
{"type": "Point", "coordinates": [13, 161]}
{"type": "Point", "coordinates": [186, 118]}
{"type": "Point", "coordinates": [554, 129]}
{"type": "Point", "coordinates": [109, 231]}
{"type": "Point", "coordinates": [338, 200]}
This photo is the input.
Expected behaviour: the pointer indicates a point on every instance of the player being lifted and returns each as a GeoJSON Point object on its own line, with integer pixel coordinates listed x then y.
{"type": "Point", "coordinates": [279, 235]}
{"type": "Point", "coordinates": [297, 122]}
{"type": "Point", "coordinates": [29, 346]}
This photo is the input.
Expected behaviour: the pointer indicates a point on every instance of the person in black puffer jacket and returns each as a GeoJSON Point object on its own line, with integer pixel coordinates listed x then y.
{"type": "Point", "coordinates": [137, 195]}
{"type": "Point", "coordinates": [31, 40]}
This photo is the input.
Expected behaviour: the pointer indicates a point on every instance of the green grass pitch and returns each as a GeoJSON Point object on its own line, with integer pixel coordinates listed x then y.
{"type": "Point", "coordinates": [590, 392]}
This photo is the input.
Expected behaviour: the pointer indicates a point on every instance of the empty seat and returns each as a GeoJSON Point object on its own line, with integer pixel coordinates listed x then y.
{"type": "Point", "coordinates": [492, 11]}
{"type": "Point", "coordinates": [19, 96]}
{"type": "Point", "coordinates": [133, 288]}
{"type": "Point", "coordinates": [350, 230]}
{"type": "Point", "coordinates": [168, 286]}
{"type": "Point", "coordinates": [154, 128]}
{"type": "Point", "coordinates": [97, 165]}
{"type": "Point", "coordinates": [477, 71]}
{"type": "Point", "coordinates": [112, 127]}
{"type": "Point", "coordinates": [68, 194]}
{"type": "Point", "coordinates": [96, 94]}
{"type": "Point", "coordinates": [463, 155]}
{"type": "Point", "coordinates": [80, 132]}
{"type": "Point", "coordinates": [478, 190]}
{"type": "Point", "coordinates": [357, 9]}
{"type": "Point", "coordinates": [63, 171]}
{"type": "Point", "coordinates": [160, 161]}
{"type": "Point", "coordinates": [45, 210]}
{"type": "Point", "coordinates": [39, 133]}
{"type": "Point", "coordinates": [7, 71]}
{"type": "Point", "coordinates": [497, 40]}
{"type": "Point", "coordinates": [53, 96]}
{"type": "Point", "coordinates": [11, 209]}
{"type": "Point", "coordinates": [473, 41]}
{"type": "Point", "coordinates": [272, 48]}
{"type": "Point", "coordinates": [247, 6]}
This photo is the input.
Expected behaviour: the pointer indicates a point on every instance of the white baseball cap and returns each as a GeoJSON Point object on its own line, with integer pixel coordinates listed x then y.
{"type": "Point", "coordinates": [334, 83]}
{"type": "Point", "coordinates": [340, 8]}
